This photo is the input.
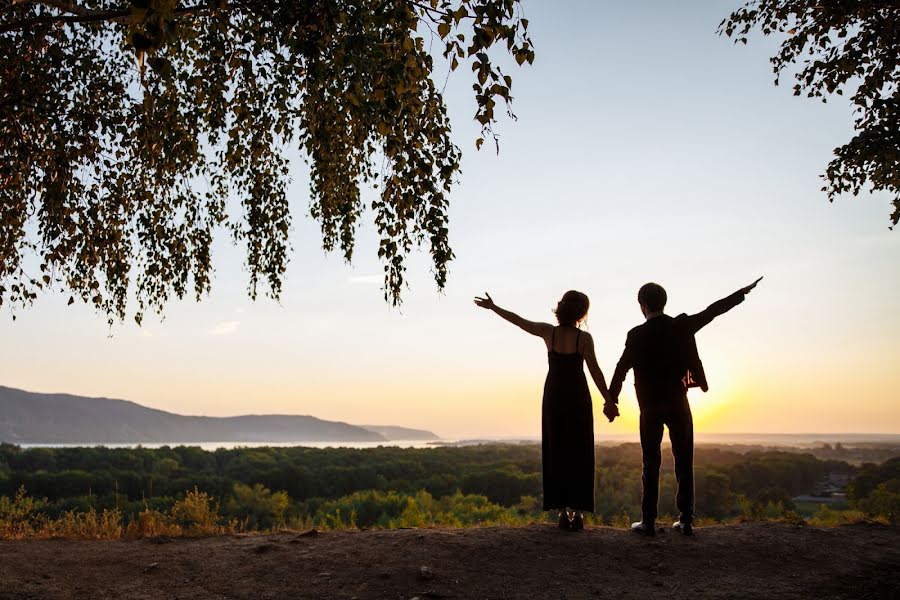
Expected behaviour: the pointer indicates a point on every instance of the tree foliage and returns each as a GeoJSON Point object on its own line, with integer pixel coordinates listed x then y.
{"type": "Point", "coordinates": [338, 487]}
{"type": "Point", "coordinates": [833, 46]}
{"type": "Point", "coordinates": [131, 132]}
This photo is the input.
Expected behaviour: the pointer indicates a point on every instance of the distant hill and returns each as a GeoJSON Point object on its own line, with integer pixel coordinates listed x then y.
{"type": "Point", "coordinates": [401, 433]}
{"type": "Point", "coordinates": [31, 418]}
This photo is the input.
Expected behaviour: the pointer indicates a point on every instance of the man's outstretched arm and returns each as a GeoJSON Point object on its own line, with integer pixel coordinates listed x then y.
{"type": "Point", "coordinates": [719, 307]}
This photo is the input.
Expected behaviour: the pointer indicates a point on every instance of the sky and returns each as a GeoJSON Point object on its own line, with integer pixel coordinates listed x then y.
{"type": "Point", "coordinates": [646, 148]}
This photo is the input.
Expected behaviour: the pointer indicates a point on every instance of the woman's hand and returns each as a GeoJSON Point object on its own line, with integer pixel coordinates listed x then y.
{"type": "Point", "coordinates": [539, 329]}
{"type": "Point", "coordinates": [486, 302]}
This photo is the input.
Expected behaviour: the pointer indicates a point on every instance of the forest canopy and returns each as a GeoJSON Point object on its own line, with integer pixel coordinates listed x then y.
{"type": "Point", "coordinates": [387, 487]}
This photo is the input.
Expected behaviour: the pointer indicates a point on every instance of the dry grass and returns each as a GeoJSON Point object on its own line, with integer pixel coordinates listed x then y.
{"type": "Point", "coordinates": [197, 515]}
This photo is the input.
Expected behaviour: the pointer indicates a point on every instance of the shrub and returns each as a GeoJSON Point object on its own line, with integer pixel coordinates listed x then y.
{"type": "Point", "coordinates": [197, 514]}
{"type": "Point", "coordinates": [89, 525]}
{"type": "Point", "coordinates": [18, 515]}
{"type": "Point", "coordinates": [828, 517]}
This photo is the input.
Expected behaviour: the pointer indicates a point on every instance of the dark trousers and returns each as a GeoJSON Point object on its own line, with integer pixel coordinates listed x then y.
{"type": "Point", "coordinates": [681, 434]}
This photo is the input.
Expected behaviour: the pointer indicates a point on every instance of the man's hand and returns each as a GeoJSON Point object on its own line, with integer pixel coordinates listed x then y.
{"type": "Point", "coordinates": [611, 410]}
{"type": "Point", "coordinates": [486, 302]}
{"type": "Point", "coordinates": [750, 287]}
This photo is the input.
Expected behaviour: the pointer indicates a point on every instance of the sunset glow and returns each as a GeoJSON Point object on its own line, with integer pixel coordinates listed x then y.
{"type": "Point", "coordinates": [685, 166]}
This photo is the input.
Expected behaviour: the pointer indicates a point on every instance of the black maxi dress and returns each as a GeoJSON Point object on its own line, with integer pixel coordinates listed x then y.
{"type": "Point", "coordinates": [568, 434]}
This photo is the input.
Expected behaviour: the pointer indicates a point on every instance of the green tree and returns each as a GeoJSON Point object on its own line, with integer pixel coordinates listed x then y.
{"type": "Point", "coordinates": [714, 496]}
{"type": "Point", "coordinates": [166, 467]}
{"type": "Point", "coordinates": [131, 133]}
{"type": "Point", "coordinates": [774, 495]}
{"type": "Point", "coordinates": [833, 46]}
{"type": "Point", "coordinates": [257, 507]}
{"type": "Point", "coordinates": [884, 501]}
{"type": "Point", "coordinates": [870, 476]}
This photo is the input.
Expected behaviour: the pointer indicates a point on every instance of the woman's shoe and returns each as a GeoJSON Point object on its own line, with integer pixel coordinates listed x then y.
{"type": "Point", "coordinates": [578, 522]}
{"type": "Point", "coordinates": [564, 522]}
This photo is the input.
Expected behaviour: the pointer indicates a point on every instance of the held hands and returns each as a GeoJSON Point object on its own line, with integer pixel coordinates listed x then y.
{"type": "Point", "coordinates": [486, 302]}
{"type": "Point", "coordinates": [611, 410]}
{"type": "Point", "coordinates": [750, 287]}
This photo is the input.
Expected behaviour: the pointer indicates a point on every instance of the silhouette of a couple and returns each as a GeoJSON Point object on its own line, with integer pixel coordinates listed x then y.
{"type": "Point", "coordinates": [663, 353]}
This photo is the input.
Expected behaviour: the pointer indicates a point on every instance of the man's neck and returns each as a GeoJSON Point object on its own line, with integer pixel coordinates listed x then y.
{"type": "Point", "coordinates": [657, 313]}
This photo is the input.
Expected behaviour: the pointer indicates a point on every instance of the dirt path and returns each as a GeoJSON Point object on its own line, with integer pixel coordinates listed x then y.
{"type": "Point", "coordinates": [749, 560]}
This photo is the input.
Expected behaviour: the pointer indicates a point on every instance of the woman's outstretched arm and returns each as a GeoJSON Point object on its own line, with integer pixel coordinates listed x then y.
{"type": "Point", "coordinates": [542, 330]}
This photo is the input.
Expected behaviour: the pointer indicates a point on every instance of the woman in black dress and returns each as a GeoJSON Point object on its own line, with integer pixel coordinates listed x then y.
{"type": "Point", "coordinates": [567, 415]}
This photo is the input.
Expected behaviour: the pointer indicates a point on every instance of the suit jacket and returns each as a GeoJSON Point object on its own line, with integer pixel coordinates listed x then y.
{"type": "Point", "coordinates": [663, 353]}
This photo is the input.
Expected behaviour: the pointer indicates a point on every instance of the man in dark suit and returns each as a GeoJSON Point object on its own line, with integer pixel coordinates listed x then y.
{"type": "Point", "coordinates": [663, 353]}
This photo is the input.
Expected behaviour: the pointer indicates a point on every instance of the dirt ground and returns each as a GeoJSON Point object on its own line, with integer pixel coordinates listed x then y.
{"type": "Point", "coordinates": [747, 560]}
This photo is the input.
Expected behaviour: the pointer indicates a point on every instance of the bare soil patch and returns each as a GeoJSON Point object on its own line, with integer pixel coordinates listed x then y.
{"type": "Point", "coordinates": [746, 560]}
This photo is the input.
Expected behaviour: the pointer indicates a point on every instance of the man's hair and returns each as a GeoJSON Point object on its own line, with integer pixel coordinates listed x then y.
{"type": "Point", "coordinates": [653, 296]}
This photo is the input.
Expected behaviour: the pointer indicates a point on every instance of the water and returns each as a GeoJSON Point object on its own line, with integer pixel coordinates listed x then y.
{"type": "Point", "coordinates": [801, 440]}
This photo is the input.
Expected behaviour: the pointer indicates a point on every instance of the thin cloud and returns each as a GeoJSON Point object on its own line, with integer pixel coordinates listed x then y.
{"type": "Point", "coordinates": [225, 328]}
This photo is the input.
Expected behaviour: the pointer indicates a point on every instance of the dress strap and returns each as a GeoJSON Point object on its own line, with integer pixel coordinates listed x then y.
{"type": "Point", "coordinates": [577, 339]}
{"type": "Point", "coordinates": [552, 339]}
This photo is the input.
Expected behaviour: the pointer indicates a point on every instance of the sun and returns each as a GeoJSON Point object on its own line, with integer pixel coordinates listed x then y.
{"type": "Point", "coordinates": [710, 408]}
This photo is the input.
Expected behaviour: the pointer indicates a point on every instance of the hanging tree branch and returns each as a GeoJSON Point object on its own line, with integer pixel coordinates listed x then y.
{"type": "Point", "coordinates": [127, 175]}
{"type": "Point", "coordinates": [838, 46]}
